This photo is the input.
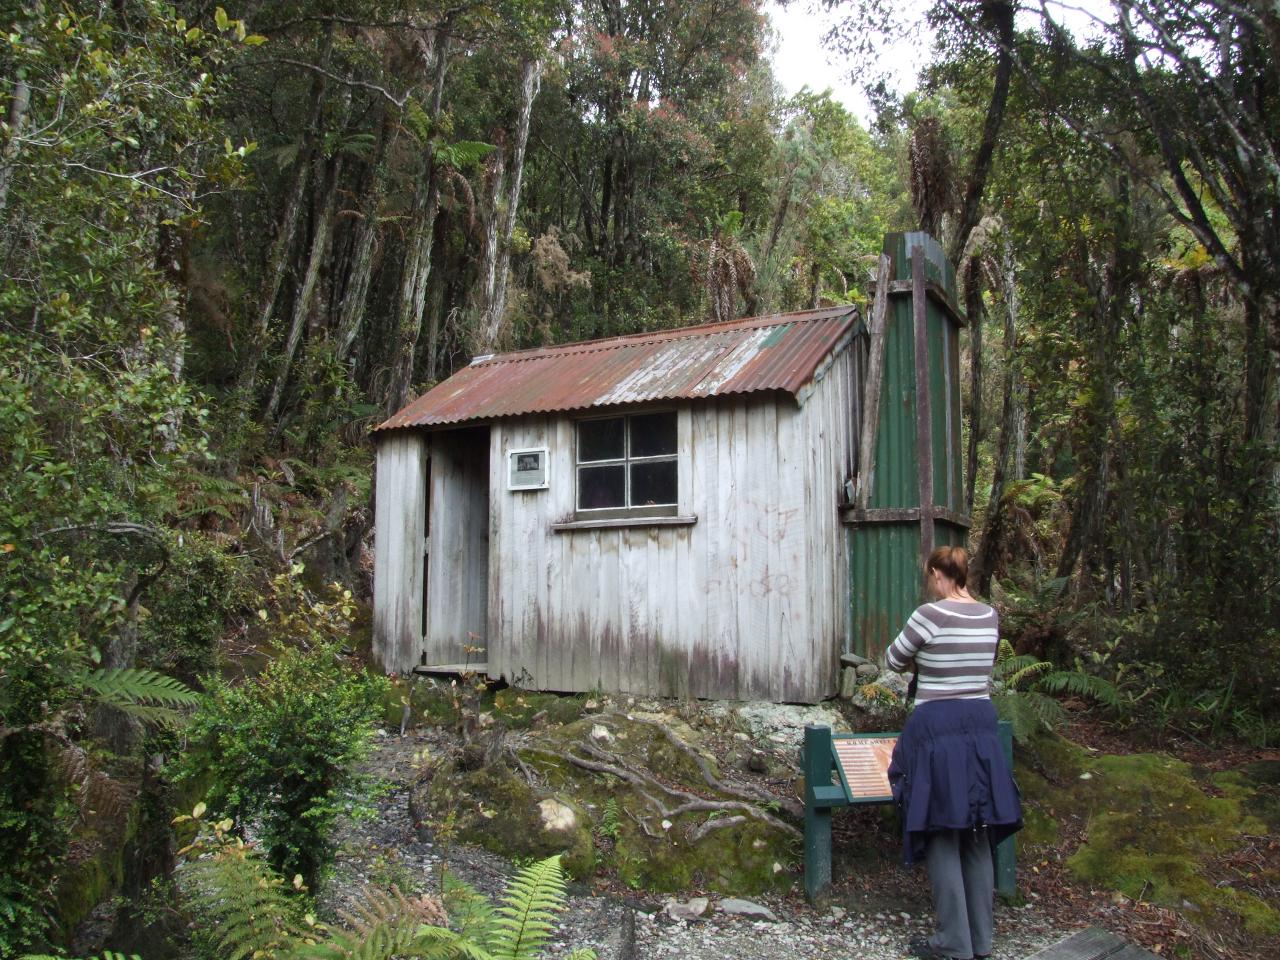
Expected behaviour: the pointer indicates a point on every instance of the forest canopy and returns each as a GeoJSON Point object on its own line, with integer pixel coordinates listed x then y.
{"type": "Point", "coordinates": [233, 238]}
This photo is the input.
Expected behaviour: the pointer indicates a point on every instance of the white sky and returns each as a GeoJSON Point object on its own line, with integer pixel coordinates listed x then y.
{"type": "Point", "coordinates": [801, 59]}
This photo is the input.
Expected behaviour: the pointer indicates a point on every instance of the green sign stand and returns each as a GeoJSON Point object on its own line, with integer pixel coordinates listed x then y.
{"type": "Point", "coordinates": [820, 761]}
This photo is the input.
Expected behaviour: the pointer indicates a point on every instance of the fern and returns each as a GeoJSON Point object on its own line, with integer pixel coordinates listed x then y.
{"type": "Point", "coordinates": [1025, 690]}
{"type": "Point", "coordinates": [106, 955]}
{"type": "Point", "coordinates": [250, 913]}
{"type": "Point", "coordinates": [610, 825]}
{"type": "Point", "coordinates": [522, 923]}
{"type": "Point", "coordinates": [243, 904]}
{"type": "Point", "coordinates": [390, 925]}
{"type": "Point", "coordinates": [1079, 684]}
{"type": "Point", "coordinates": [135, 688]}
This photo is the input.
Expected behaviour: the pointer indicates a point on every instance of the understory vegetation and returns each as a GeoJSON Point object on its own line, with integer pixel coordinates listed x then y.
{"type": "Point", "coordinates": [233, 238]}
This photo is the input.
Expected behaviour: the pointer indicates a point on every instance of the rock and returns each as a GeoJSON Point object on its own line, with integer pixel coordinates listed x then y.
{"type": "Point", "coordinates": [779, 723]}
{"type": "Point", "coordinates": [758, 762]}
{"type": "Point", "coordinates": [689, 910]}
{"type": "Point", "coordinates": [852, 660]}
{"type": "Point", "coordinates": [557, 815]}
{"type": "Point", "coordinates": [600, 733]}
{"type": "Point", "coordinates": [848, 683]}
{"type": "Point", "coordinates": [867, 671]}
{"type": "Point", "coordinates": [883, 698]}
{"type": "Point", "coordinates": [745, 908]}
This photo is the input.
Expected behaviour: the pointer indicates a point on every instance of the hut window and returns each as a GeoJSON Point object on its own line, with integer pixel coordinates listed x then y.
{"type": "Point", "coordinates": [628, 464]}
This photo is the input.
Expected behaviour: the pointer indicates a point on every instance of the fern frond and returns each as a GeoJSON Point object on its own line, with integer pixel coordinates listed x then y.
{"type": "Point", "coordinates": [470, 913]}
{"type": "Point", "coordinates": [237, 895]}
{"type": "Point", "coordinates": [522, 923]}
{"type": "Point", "coordinates": [1015, 671]}
{"type": "Point", "coordinates": [1076, 683]}
{"type": "Point", "coordinates": [124, 687]}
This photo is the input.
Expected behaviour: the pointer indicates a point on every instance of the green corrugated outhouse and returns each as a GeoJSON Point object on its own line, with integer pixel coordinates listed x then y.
{"type": "Point", "coordinates": [912, 498]}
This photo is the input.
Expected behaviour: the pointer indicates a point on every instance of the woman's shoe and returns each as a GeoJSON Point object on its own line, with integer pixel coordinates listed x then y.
{"type": "Point", "coordinates": [923, 950]}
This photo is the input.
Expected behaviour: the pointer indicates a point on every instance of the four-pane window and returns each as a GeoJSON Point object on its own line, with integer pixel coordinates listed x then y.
{"type": "Point", "coordinates": [628, 463]}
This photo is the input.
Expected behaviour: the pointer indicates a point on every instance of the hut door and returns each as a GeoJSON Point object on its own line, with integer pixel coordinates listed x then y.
{"type": "Point", "coordinates": [426, 556]}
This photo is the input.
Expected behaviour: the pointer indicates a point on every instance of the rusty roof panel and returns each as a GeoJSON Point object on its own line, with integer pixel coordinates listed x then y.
{"type": "Point", "coordinates": [780, 352]}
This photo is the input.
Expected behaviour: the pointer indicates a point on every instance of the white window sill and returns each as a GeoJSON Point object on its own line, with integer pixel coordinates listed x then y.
{"type": "Point", "coordinates": [571, 525]}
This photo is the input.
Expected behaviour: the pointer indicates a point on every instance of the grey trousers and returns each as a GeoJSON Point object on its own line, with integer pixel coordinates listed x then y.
{"type": "Point", "coordinates": [963, 880]}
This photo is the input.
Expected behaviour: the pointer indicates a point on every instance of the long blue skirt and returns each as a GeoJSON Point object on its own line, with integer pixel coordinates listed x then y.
{"type": "Point", "coordinates": [949, 773]}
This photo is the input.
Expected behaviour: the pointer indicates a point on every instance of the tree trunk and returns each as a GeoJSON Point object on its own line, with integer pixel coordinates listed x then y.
{"type": "Point", "coordinates": [501, 219]}
{"type": "Point", "coordinates": [173, 320]}
{"type": "Point", "coordinates": [302, 300]}
{"type": "Point", "coordinates": [278, 259]}
{"type": "Point", "coordinates": [974, 310]}
{"type": "Point", "coordinates": [18, 105]}
{"type": "Point", "coordinates": [354, 297]}
{"type": "Point", "coordinates": [417, 261]}
{"type": "Point", "coordinates": [1001, 12]}
{"type": "Point", "coordinates": [993, 525]}
{"type": "Point", "coordinates": [530, 83]}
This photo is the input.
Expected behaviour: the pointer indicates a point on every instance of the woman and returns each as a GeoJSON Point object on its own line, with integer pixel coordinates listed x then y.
{"type": "Point", "coordinates": [949, 775]}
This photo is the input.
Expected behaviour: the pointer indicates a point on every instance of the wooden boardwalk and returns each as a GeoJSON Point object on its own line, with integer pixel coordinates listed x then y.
{"type": "Point", "coordinates": [1093, 943]}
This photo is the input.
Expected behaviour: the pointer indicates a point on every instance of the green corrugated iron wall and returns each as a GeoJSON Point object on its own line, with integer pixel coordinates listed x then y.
{"type": "Point", "coordinates": [885, 569]}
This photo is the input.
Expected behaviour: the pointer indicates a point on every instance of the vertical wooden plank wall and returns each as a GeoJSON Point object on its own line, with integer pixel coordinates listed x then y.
{"type": "Point", "coordinates": [751, 601]}
{"type": "Point", "coordinates": [400, 517]}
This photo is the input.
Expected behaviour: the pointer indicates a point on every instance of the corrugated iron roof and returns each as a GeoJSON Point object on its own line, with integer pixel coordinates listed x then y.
{"type": "Point", "coordinates": [778, 352]}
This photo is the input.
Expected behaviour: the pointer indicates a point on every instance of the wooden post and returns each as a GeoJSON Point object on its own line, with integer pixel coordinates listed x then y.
{"type": "Point", "coordinates": [924, 406]}
{"type": "Point", "coordinates": [816, 764]}
{"type": "Point", "coordinates": [1006, 852]}
{"type": "Point", "coordinates": [871, 393]}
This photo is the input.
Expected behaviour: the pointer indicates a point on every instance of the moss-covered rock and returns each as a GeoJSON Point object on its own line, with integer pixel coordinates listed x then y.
{"type": "Point", "coordinates": [625, 818]}
{"type": "Point", "coordinates": [494, 808]}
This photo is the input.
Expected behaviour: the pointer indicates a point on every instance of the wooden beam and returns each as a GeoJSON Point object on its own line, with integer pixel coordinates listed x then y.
{"type": "Point", "coordinates": [934, 290]}
{"type": "Point", "coordinates": [851, 514]}
{"type": "Point", "coordinates": [924, 409]}
{"type": "Point", "coordinates": [872, 388]}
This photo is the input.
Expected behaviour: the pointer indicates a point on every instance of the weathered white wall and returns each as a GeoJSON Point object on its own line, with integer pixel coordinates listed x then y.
{"type": "Point", "coordinates": [458, 565]}
{"type": "Point", "coordinates": [749, 602]}
{"type": "Point", "coordinates": [399, 517]}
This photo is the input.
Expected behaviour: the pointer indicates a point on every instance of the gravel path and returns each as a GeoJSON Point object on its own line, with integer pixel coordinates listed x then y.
{"type": "Point", "coordinates": [385, 849]}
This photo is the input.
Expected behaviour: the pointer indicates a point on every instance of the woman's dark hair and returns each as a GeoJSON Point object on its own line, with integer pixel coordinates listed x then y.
{"type": "Point", "coordinates": [951, 562]}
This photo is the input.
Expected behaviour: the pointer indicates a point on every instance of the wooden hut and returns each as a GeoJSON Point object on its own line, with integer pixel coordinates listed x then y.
{"type": "Point", "coordinates": [666, 513]}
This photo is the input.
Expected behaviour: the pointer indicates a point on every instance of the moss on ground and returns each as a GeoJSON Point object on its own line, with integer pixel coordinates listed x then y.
{"type": "Point", "coordinates": [1151, 828]}
{"type": "Point", "coordinates": [435, 702]}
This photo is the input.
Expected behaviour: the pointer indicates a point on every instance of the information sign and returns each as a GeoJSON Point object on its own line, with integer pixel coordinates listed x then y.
{"type": "Point", "coordinates": [864, 767]}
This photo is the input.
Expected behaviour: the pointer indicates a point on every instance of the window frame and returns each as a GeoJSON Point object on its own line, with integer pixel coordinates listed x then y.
{"type": "Point", "coordinates": [625, 512]}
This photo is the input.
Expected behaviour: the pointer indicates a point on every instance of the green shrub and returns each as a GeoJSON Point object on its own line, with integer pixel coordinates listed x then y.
{"type": "Point", "coordinates": [282, 747]}
{"type": "Point", "coordinates": [189, 608]}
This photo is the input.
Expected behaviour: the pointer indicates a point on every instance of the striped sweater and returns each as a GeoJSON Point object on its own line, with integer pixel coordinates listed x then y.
{"type": "Point", "coordinates": [953, 644]}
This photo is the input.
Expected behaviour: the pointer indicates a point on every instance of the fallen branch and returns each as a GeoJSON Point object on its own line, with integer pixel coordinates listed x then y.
{"type": "Point", "coordinates": [606, 762]}
{"type": "Point", "coordinates": [745, 792]}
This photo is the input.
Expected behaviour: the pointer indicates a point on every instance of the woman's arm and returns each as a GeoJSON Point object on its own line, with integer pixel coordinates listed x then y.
{"type": "Point", "coordinates": [901, 654]}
